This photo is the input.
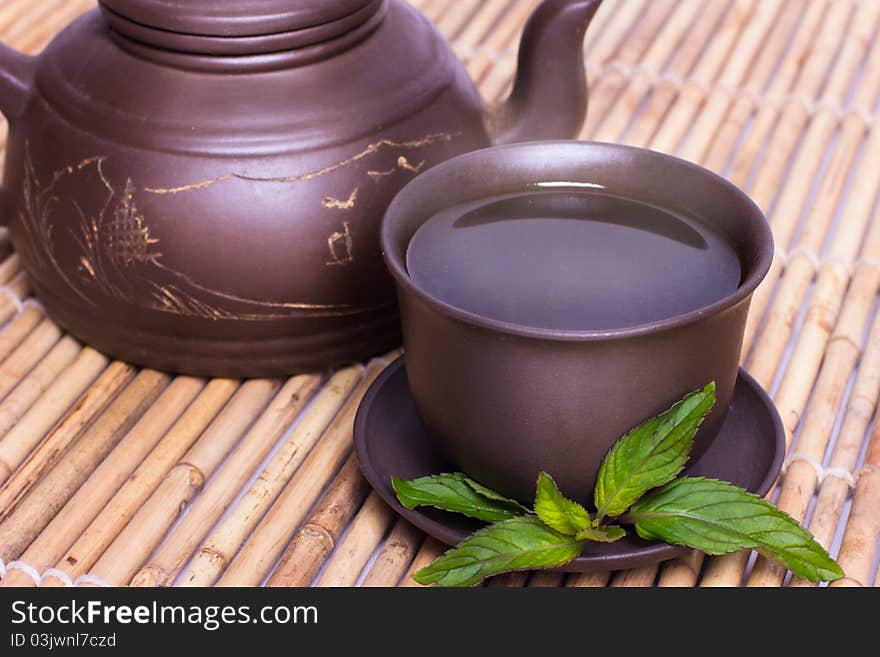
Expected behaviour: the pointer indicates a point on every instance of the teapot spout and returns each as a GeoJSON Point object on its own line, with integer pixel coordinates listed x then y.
{"type": "Point", "coordinates": [549, 97]}
{"type": "Point", "coordinates": [16, 77]}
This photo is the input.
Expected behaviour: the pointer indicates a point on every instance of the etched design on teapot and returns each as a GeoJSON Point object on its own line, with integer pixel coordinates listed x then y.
{"type": "Point", "coordinates": [119, 252]}
{"type": "Point", "coordinates": [372, 149]}
{"type": "Point", "coordinates": [340, 245]}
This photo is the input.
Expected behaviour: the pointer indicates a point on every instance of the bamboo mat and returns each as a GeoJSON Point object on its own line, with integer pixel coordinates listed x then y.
{"type": "Point", "coordinates": [110, 475]}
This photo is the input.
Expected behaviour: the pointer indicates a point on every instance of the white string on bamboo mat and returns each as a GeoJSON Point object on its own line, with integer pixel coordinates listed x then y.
{"type": "Point", "coordinates": [468, 52]}
{"type": "Point", "coordinates": [679, 83]}
{"type": "Point", "coordinates": [868, 261]}
{"type": "Point", "coordinates": [38, 579]}
{"type": "Point", "coordinates": [817, 262]}
{"type": "Point", "coordinates": [31, 302]}
{"type": "Point", "coordinates": [821, 472]}
{"type": "Point", "coordinates": [59, 575]}
{"type": "Point", "coordinates": [27, 569]}
{"type": "Point", "coordinates": [13, 296]}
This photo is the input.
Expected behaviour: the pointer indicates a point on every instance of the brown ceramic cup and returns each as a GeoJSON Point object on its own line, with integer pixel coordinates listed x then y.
{"type": "Point", "coordinates": [504, 401]}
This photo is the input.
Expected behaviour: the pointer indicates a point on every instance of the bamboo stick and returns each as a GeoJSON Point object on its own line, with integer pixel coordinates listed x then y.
{"type": "Point", "coordinates": [793, 115]}
{"type": "Point", "coordinates": [599, 48]}
{"type": "Point", "coordinates": [317, 538]}
{"type": "Point", "coordinates": [28, 32]}
{"type": "Point", "coordinates": [805, 362]}
{"type": "Point", "coordinates": [546, 579]}
{"type": "Point", "coordinates": [636, 577]}
{"type": "Point", "coordinates": [9, 268]}
{"type": "Point", "coordinates": [863, 526]}
{"type": "Point", "coordinates": [31, 387]}
{"type": "Point", "coordinates": [683, 571]}
{"type": "Point", "coordinates": [722, 147]}
{"type": "Point", "coordinates": [93, 495]}
{"type": "Point", "coordinates": [26, 23]}
{"type": "Point", "coordinates": [606, 89]}
{"type": "Point", "coordinates": [37, 508]}
{"type": "Point", "coordinates": [841, 358]}
{"type": "Point", "coordinates": [455, 17]}
{"type": "Point", "coordinates": [19, 440]}
{"type": "Point", "coordinates": [799, 273]}
{"type": "Point", "coordinates": [223, 488]}
{"type": "Point", "coordinates": [44, 30]}
{"type": "Point", "coordinates": [856, 555]}
{"type": "Point", "coordinates": [623, 19]}
{"type": "Point", "coordinates": [615, 121]}
{"type": "Point", "coordinates": [27, 355]}
{"type": "Point", "coordinates": [82, 555]}
{"type": "Point", "coordinates": [153, 519]}
{"type": "Point", "coordinates": [862, 403]}
{"type": "Point", "coordinates": [29, 466]}
{"type": "Point", "coordinates": [357, 546]}
{"type": "Point", "coordinates": [753, 38]}
{"type": "Point", "coordinates": [398, 552]}
{"type": "Point", "coordinates": [500, 40]}
{"type": "Point", "coordinates": [28, 27]}
{"type": "Point", "coordinates": [828, 292]}
{"type": "Point", "coordinates": [9, 12]}
{"type": "Point", "coordinates": [434, 9]}
{"type": "Point", "coordinates": [513, 580]}
{"type": "Point", "coordinates": [664, 93]}
{"type": "Point", "coordinates": [482, 23]}
{"type": "Point", "coordinates": [600, 22]}
{"type": "Point", "coordinates": [220, 546]}
{"type": "Point", "coordinates": [775, 59]}
{"type": "Point", "coordinates": [18, 329]}
{"type": "Point", "coordinates": [800, 475]}
{"type": "Point", "coordinates": [692, 95]}
{"type": "Point", "coordinates": [430, 550]}
{"type": "Point", "coordinates": [588, 580]}
{"type": "Point", "coordinates": [806, 358]}
{"type": "Point", "coordinates": [792, 200]}
{"type": "Point", "coordinates": [259, 554]}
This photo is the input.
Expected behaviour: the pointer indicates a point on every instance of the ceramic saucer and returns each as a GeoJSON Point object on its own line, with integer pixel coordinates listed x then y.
{"type": "Point", "coordinates": [391, 440]}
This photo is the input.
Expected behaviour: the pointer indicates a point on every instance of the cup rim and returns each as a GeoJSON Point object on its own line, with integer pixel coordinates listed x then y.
{"type": "Point", "coordinates": [393, 222]}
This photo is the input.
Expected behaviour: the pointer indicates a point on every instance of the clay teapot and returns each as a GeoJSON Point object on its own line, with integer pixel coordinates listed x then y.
{"type": "Point", "coordinates": [197, 186]}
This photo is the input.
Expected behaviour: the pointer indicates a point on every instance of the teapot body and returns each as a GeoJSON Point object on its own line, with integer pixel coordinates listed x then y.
{"type": "Point", "coordinates": [197, 186]}
{"type": "Point", "coordinates": [224, 221]}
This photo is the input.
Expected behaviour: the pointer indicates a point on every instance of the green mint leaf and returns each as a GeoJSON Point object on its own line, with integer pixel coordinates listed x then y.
{"type": "Point", "coordinates": [601, 534]}
{"type": "Point", "coordinates": [522, 543]}
{"type": "Point", "coordinates": [488, 493]}
{"type": "Point", "coordinates": [456, 492]}
{"type": "Point", "coordinates": [651, 454]}
{"type": "Point", "coordinates": [717, 518]}
{"type": "Point", "coordinates": [557, 511]}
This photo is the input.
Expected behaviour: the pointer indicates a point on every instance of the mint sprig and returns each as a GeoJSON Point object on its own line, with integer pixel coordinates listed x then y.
{"type": "Point", "coordinates": [650, 455]}
{"type": "Point", "coordinates": [459, 493]}
{"type": "Point", "coordinates": [523, 543]}
{"type": "Point", "coordinates": [717, 518]}
{"type": "Point", "coordinates": [636, 485]}
{"type": "Point", "coordinates": [557, 511]}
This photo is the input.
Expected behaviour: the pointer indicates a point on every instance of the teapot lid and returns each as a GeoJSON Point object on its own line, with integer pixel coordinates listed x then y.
{"type": "Point", "coordinates": [233, 18]}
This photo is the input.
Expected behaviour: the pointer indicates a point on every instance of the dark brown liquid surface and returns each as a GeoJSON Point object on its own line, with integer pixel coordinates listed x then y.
{"type": "Point", "coordinates": [571, 259]}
